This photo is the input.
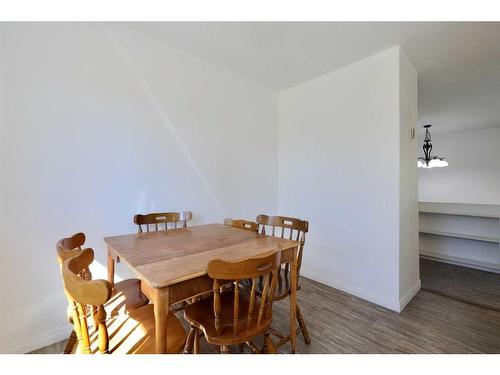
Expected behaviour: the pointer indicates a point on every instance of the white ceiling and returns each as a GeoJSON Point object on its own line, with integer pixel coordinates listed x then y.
{"type": "Point", "coordinates": [458, 63]}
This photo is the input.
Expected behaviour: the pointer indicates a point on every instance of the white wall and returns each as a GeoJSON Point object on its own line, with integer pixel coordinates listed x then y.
{"type": "Point", "coordinates": [409, 266]}
{"type": "Point", "coordinates": [473, 174]}
{"type": "Point", "coordinates": [3, 117]}
{"type": "Point", "coordinates": [103, 123]}
{"type": "Point", "coordinates": [339, 151]}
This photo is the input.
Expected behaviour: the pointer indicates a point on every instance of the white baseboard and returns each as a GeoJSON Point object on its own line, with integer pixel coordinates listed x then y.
{"type": "Point", "coordinates": [409, 296]}
{"type": "Point", "coordinates": [392, 304]}
{"type": "Point", "coordinates": [459, 261]}
{"type": "Point", "coordinates": [37, 343]}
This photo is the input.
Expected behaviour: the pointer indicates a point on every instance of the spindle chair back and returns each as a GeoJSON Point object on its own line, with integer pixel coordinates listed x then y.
{"type": "Point", "coordinates": [167, 220]}
{"type": "Point", "coordinates": [237, 315]}
{"type": "Point", "coordinates": [289, 228]}
{"type": "Point", "coordinates": [82, 293]}
{"type": "Point", "coordinates": [242, 224]}
{"type": "Point", "coordinates": [69, 247]}
{"type": "Point", "coordinates": [293, 229]}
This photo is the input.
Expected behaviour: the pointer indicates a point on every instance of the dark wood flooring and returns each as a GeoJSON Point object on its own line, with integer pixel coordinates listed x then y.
{"type": "Point", "coordinates": [341, 323]}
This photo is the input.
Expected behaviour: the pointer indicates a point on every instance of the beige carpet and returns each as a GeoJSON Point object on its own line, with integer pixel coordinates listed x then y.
{"type": "Point", "coordinates": [465, 284]}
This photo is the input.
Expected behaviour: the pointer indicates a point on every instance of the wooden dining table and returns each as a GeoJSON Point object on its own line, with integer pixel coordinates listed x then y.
{"type": "Point", "coordinates": [172, 264]}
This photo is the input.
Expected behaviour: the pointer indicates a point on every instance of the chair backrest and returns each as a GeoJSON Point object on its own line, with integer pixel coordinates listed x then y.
{"type": "Point", "coordinates": [242, 224]}
{"type": "Point", "coordinates": [82, 293]}
{"type": "Point", "coordinates": [285, 227]}
{"type": "Point", "coordinates": [69, 247]}
{"type": "Point", "coordinates": [175, 219]}
{"type": "Point", "coordinates": [257, 317]}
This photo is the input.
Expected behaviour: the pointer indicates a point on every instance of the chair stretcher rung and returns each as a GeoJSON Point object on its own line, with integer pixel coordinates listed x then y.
{"type": "Point", "coordinates": [283, 339]}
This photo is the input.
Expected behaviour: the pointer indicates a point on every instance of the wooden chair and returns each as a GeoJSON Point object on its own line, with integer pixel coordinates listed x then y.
{"type": "Point", "coordinates": [69, 247]}
{"type": "Point", "coordinates": [235, 316]}
{"type": "Point", "coordinates": [175, 219]}
{"type": "Point", "coordinates": [242, 224]}
{"type": "Point", "coordinates": [126, 296]}
{"type": "Point", "coordinates": [164, 219]}
{"type": "Point", "coordinates": [293, 229]}
{"type": "Point", "coordinates": [132, 333]}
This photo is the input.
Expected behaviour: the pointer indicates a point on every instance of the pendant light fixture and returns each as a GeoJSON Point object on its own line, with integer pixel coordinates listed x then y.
{"type": "Point", "coordinates": [429, 161]}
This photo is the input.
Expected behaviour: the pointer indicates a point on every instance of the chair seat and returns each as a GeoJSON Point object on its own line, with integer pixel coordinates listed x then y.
{"type": "Point", "coordinates": [201, 315]}
{"type": "Point", "coordinates": [135, 333]}
{"type": "Point", "coordinates": [127, 296]}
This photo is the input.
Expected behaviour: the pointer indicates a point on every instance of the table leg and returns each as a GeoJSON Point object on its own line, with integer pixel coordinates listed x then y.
{"type": "Point", "coordinates": [161, 307]}
{"type": "Point", "coordinates": [293, 303]}
{"type": "Point", "coordinates": [111, 270]}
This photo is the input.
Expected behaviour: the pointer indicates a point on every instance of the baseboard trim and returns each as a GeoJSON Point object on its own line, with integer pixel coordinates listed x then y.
{"type": "Point", "coordinates": [391, 304]}
{"type": "Point", "coordinates": [34, 344]}
{"type": "Point", "coordinates": [409, 296]}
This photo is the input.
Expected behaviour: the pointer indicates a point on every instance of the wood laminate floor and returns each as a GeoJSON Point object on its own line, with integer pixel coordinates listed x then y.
{"type": "Point", "coordinates": [341, 323]}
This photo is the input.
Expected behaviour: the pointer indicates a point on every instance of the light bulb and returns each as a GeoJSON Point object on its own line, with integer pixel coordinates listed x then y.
{"type": "Point", "coordinates": [434, 163]}
{"type": "Point", "coordinates": [441, 163]}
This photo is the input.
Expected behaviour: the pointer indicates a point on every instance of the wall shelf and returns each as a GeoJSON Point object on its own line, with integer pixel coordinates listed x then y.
{"type": "Point", "coordinates": [460, 233]}
{"type": "Point", "coordinates": [462, 209]}
{"type": "Point", "coordinates": [461, 261]}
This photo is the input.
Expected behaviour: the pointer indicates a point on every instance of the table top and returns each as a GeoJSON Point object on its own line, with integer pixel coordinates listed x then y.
{"type": "Point", "coordinates": [168, 257]}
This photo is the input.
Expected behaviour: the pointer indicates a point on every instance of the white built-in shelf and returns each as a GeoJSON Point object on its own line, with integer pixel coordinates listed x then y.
{"type": "Point", "coordinates": [460, 235]}
{"type": "Point", "coordinates": [464, 209]}
{"type": "Point", "coordinates": [461, 261]}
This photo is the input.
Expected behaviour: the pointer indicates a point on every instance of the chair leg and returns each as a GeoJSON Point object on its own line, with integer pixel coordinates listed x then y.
{"type": "Point", "coordinates": [196, 345]}
{"type": "Point", "coordinates": [70, 344]}
{"type": "Point", "coordinates": [268, 344]}
{"type": "Point", "coordinates": [224, 349]}
{"type": "Point", "coordinates": [188, 348]}
{"type": "Point", "coordinates": [303, 328]}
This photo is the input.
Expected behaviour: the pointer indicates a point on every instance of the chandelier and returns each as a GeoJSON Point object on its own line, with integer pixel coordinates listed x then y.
{"type": "Point", "coordinates": [429, 161]}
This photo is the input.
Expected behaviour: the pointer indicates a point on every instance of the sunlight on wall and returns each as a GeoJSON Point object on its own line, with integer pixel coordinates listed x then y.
{"type": "Point", "coordinates": [165, 120]}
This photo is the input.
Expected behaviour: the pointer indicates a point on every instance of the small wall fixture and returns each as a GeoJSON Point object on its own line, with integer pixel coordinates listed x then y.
{"type": "Point", "coordinates": [429, 161]}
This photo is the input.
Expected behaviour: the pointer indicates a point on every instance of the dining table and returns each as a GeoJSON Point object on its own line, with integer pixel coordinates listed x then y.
{"type": "Point", "coordinates": [172, 264]}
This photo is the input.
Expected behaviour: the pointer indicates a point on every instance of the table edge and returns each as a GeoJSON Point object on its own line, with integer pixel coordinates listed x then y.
{"type": "Point", "coordinates": [295, 244]}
